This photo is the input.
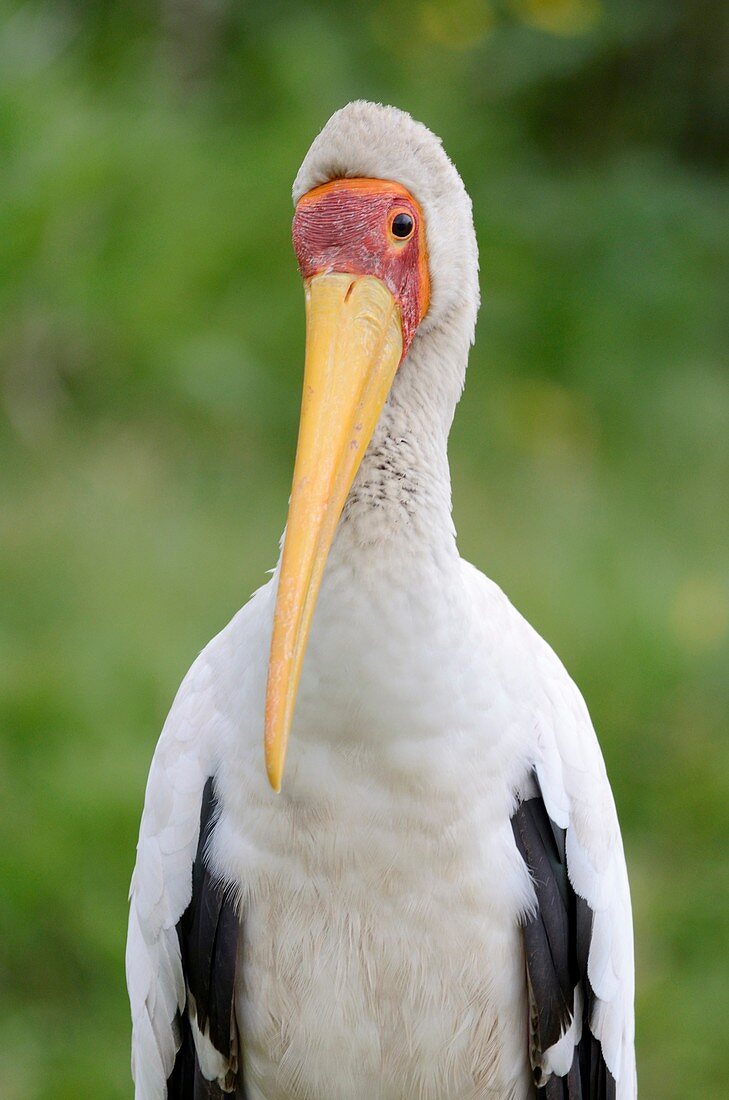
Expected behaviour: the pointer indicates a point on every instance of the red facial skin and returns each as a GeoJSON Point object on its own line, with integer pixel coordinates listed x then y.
{"type": "Point", "coordinates": [345, 226]}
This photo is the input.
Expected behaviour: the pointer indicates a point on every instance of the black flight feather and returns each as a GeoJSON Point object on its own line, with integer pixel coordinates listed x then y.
{"type": "Point", "coordinates": [557, 943]}
{"type": "Point", "coordinates": [208, 934]}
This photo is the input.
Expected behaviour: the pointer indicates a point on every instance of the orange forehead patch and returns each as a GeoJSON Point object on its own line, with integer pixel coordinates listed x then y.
{"type": "Point", "coordinates": [359, 183]}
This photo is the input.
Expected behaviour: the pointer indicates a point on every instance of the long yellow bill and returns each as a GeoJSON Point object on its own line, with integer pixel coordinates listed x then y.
{"type": "Point", "coordinates": [353, 350]}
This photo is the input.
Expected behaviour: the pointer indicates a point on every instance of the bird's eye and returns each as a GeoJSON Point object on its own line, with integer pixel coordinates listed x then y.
{"type": "Point", "coordinates": [402, 226]}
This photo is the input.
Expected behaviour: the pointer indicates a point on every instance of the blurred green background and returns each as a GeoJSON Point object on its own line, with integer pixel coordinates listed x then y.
{"type": "Point", "coordinates": [151, 335]}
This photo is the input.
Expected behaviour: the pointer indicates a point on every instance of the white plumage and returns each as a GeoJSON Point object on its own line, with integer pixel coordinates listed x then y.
{"type": "Point", "coordinates": [382, 893]}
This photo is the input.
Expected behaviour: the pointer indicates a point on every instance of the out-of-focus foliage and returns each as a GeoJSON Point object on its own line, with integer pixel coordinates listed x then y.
{"type": "Point", "coordinates": [151, 345]}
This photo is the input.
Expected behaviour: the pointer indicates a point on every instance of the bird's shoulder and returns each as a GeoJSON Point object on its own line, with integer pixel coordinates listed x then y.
{"type": "Point", "coordinates": [525, 658]}
{"type": "Point", "coordinates": [564, 750]}
{"type": "Point", "coordinates": [193, 735]}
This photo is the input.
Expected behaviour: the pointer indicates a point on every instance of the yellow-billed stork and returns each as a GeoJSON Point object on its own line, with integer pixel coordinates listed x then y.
{"type": "Point", "coordinates": [436, 904]}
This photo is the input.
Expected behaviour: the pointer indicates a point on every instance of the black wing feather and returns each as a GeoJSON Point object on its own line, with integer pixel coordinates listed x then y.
{"type": "Point", "coordinates": [557, 942]}
{"type": "Point", "coordinates": [208, 933]}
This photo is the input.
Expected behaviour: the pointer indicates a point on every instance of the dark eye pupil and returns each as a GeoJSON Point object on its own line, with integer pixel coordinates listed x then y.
{"type": "Point", "coordinates": [402, 225]}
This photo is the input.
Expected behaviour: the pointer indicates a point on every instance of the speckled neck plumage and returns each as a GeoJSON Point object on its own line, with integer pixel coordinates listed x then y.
{"type": "Point", "coordinates": [402, 492]}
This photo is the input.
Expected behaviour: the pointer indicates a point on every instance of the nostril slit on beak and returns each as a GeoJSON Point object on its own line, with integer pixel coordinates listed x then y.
{"type": "Point", "coordinates": [350, 288]}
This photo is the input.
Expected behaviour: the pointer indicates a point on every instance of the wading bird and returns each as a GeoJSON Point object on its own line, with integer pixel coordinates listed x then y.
{"type": "Point", "coordinates": [435, 903]}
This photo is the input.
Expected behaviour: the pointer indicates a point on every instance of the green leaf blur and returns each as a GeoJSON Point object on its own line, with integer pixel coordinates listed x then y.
{"type": "Point", "coordinates": [151, 338]}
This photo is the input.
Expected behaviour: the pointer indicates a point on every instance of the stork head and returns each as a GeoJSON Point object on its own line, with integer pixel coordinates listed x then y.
{"type": "Point", "coordinates": [384, 238]}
